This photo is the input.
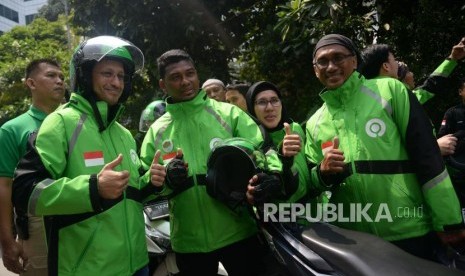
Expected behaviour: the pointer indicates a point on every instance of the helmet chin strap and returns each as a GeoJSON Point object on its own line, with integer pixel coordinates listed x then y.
{"type": "Point", "coordinates": [98, 116]}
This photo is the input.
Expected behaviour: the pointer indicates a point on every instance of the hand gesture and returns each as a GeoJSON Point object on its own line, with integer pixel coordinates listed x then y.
{"type": "Point", "coordinates": [262, 188]}
{"type": "Point", "coordinates": [333, 161]}
{"type": "Point", "coordinates": [157, 171]}
{"type": "Point", "coordinates": [447, 144]}
{"type": "Point", "coordinates": [14, 258]}
{"type": "Point", "coordinates": [291, 142]}
{"type": "Point", "coordinates": [458, 51]}
{"type": "Point", "coordinates": [176, 172]}
{"type": "Point", "coordinates": [111, 183]}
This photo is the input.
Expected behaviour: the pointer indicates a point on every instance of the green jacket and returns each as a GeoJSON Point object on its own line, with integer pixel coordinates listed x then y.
{"type": "Point", "coordinates": [435, 82]}
{"type": "Point", "coordinates": [394, 160]}
{"type": "Point", "coordinates": [299, 165]}
{"type": "Point", "coordinates": [200, 223]}
{"type": "Point", "coordinates": [86, 234]}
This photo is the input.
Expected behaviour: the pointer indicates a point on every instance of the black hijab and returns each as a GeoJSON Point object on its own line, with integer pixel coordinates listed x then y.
{"type": "Point", "coordinates": [252, 94]}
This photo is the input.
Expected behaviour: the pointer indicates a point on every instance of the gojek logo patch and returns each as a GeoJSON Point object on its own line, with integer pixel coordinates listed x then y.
{"type": "Point", "coordinates": [93, 158]}
{"type": "Point", "coordinates": [167, 145]}
{"type": "Point", "coordinates": [375, 128]}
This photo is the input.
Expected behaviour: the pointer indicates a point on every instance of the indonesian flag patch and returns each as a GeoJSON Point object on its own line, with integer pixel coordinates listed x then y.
{"type": "Point", "coordinates": [168, 157]}
{"type": "Point", "coordinates": [326, 146]}
{"type": "Point", "coordinates": [93, 158]}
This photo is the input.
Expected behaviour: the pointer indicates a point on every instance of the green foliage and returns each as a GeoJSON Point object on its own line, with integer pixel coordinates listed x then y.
{"type": "Point", "coordinates": [239, 40]}
{"type": "Point", "coordinates": [208, 30]}
{"type": "Point", "coordinates": [280, 49]}
{"type": "Point", "coordinates": [52, 10]}
{"type": "Point", "coordinates": [19, 46]}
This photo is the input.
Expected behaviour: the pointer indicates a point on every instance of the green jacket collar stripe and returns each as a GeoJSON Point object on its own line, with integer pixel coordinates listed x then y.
{"type": "Point", "coordinates": [377, 98]}
{"type": "Point", "coordinates": [76, 133]}
{"type": "Point", "coordinates": [219, 119]}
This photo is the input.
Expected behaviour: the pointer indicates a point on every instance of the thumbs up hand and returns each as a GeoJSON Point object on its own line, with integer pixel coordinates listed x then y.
{"type": "Point", "coordinates": [291, 142]}
{"type": "Point", "coordinates": [111, 183]}
{"type": "Point", "coordinates": [333, 161]}
{"type": "Point", "coordinates": [157, 171]}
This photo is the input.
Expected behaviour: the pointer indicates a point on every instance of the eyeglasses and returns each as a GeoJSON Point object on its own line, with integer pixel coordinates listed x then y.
{"type": "Point", "coordinates": [110, 75]}
{"type": "Point", "coordinates": [338, 59]}
{"type": "Point", "coordinates": [264, 103]}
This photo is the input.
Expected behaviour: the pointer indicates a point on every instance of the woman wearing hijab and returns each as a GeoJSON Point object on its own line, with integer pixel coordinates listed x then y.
{"type": "Point", "coordinates": [264, 103]}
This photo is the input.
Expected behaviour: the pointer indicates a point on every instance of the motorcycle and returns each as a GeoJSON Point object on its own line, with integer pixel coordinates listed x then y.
{"type": "Point", "coordinates": [162, 260]}
{"type": "Point", "coordinates": [324, 249]}
{"type": "Point", "coordinates": [316, 248]}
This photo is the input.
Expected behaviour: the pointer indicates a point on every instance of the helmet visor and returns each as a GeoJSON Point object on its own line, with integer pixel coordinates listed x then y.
{"type": "Point", "coordinates": [100, 47]}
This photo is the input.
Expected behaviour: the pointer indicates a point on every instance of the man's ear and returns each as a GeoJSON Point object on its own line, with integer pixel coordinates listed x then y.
{"type": "Point", "coordinates": [317, 72]}
{"type": "Point", "coordinates": [385, 67]}
{"type": "Point", "coordinates": [162, 85]}
{"type": "Point", "coordinates": [30, 83]}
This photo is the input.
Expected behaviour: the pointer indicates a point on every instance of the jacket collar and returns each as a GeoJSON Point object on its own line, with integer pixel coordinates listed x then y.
{"type": "Point", "coordinates": [82, 104]}
{"type": "Point", "coordinates": [188, 107]}
{"type": "Point", "coordinates": [36, 113]}
{"type": "Point", "coordinates": [344, 93]}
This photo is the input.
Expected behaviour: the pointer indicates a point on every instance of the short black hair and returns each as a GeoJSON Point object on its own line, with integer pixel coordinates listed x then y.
{"type": "Point", "coordinates": [373, 57]}
{"type": "Point", "coordinates": [34, 64]}
{"type": "Point", "coordinates": [241, 87]}
{"type": "Point", "coordinates": [170, 57]}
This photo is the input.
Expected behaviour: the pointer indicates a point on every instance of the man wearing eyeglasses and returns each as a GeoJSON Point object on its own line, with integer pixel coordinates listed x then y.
{"type": "Point", "coordinates": [372, 144]}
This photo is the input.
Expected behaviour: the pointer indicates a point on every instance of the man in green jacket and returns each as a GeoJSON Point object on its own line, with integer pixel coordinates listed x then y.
{"type": "Point", "coordinates": [28, 255]}
{"type": "Point", "coordinates": [82, 175]}
{"type": "Point", "coordinates": [204, 231]}
{"type": "Point", "coordinates": [379, 62]}
{"type": "Point", "coordinates": [371, 143]}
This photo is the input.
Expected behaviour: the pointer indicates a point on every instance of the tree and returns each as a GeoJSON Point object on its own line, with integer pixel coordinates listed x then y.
{"type": "Point", "coordinates": [422, 33]}
{"type": "Point", "coordinates": [52, 10]}
{"type": "Point", "coordinates": [208, 30]}
{"type": "Point", "coordinates": [19, 46]}
{"type": "Point", "coordinates": [270, 39]}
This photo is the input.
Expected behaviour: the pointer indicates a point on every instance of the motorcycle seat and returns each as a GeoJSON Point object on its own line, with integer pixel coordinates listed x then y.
{"type": "Point", "coordinates": [358, 253]}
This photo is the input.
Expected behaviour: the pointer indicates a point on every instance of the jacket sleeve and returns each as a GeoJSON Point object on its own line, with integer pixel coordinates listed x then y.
{"type": "Point", "coordinates": [435, 82]}
{"type": "Point", "coordinates": [314, 153]}
{"type": "Point", "coordinates": [39, 187]}
{"type": "Point", "coordinates": [447, 124]}
{"type": "Point", "coordinates": [147, 153]}
{"type": "Point", "coordinates": [424, 154]}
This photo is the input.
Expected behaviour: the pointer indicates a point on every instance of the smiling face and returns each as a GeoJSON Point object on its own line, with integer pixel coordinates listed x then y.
{"type": "Point", "coordinates": [108, 81]}
{"type": "Point", "coordinates": [268, 108]}
{"type": "Point", "coordinates": [181, 81]}
{"type": "Point", "coordinates": [334, 75]}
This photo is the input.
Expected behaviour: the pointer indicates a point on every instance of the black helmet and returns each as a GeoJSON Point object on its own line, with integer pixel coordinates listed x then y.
{"type": "Point", "coordinates": [152, 112]}
{"type": "Point", "coordinates": [93, 50]}
{"type": "Point", "coordinates": [230, 166]}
